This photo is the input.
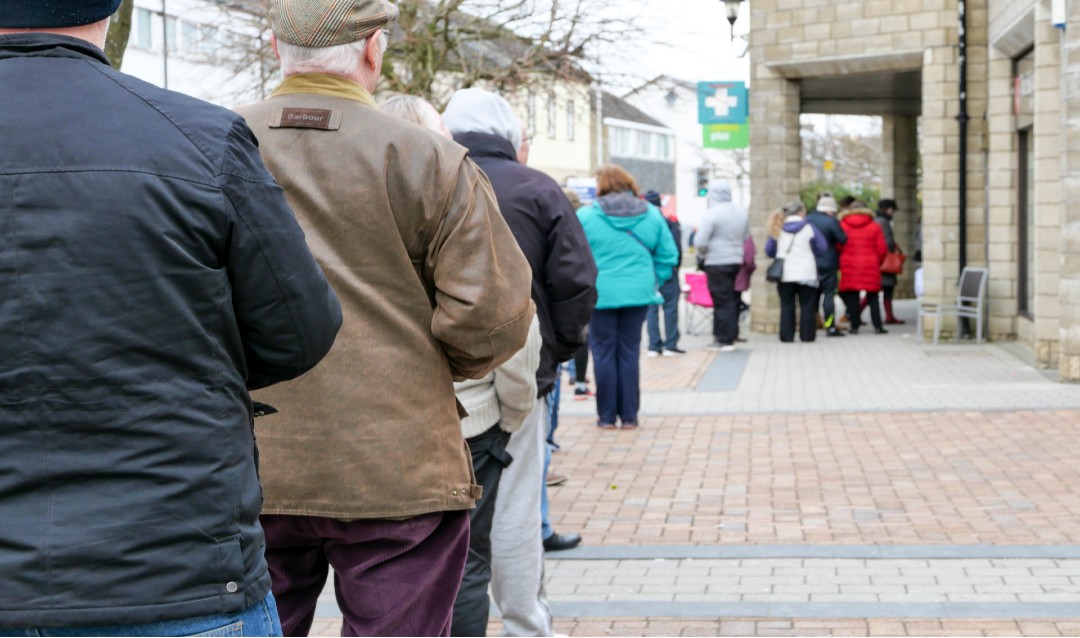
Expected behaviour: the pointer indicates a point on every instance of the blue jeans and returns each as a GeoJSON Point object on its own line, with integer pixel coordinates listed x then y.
{"type": "Point", "coordinates": [670, 292]}
{"type": "Point", "coordinates": [261, 619]}
{"type": "Point", "coordinates": [552, 404]}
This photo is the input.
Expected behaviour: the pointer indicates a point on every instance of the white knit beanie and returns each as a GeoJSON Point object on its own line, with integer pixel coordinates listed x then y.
{"type": "Point", "coordinates": [480, 111]}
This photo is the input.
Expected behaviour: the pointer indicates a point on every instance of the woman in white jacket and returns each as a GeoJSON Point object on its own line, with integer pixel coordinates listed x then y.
{"type": "Point", "coordinates": [797, 243]}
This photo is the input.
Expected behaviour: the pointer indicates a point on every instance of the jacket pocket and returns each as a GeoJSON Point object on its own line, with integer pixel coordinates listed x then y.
{"type": "Point", "coordinates": [231, 565]}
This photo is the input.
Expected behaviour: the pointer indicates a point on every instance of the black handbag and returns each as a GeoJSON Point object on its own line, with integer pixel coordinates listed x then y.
{"type": "Point", "coordinates": [775, 272]}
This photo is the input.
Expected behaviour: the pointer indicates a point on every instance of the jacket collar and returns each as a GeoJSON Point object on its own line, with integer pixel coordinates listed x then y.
{"type": "Point", "coordinates": [486, 145]}
{"type": "Point", "coordinates": [325, 84]}
{"type": "Point", "coordinates": [48, 45]}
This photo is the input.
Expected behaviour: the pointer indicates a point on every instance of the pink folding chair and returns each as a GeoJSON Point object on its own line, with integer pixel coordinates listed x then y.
{"type": "Point", "coordinates": [698, 302]}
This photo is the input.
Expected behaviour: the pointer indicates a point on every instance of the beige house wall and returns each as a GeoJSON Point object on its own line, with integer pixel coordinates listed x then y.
{"type": "Point", "coordinates": [569, 153]}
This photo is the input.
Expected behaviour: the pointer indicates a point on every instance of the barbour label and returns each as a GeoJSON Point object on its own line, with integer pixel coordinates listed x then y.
{"type": "Point", "coordinates": [306, 118]}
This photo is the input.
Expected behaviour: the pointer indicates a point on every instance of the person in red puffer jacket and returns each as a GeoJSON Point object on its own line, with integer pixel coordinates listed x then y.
{"type": "Point", "coordinates": [860, 263]}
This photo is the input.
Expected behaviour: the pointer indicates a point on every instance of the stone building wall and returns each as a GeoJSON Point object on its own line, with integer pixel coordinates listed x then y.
{"type": "Point", "coordinates": [793, 40]}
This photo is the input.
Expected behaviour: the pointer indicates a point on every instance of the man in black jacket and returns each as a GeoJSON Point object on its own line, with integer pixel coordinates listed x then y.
{"type": "Point", "coordinates": [564, 290]}
{"type": "Point", "coordinates": [152, 275]}
{"type": "Point", "coordinates": [823, 218]}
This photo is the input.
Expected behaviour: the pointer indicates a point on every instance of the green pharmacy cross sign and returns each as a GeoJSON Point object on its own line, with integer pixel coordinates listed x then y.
{"type": "Point", "coordinates": [726, 136]}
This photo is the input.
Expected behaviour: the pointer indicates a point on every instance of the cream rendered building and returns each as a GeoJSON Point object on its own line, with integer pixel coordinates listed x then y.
{"type": "Point", "coordinates": [558, 117]}
{"type": "Point", "coordinates": [899, 59]}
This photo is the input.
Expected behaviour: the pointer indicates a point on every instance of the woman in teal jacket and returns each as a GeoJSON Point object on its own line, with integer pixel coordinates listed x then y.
{"type": "Point", "coordinates": [634, 253]}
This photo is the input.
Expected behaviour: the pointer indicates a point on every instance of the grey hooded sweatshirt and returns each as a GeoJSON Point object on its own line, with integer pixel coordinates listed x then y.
{"type": "Point", "coordinates": [723, 229]}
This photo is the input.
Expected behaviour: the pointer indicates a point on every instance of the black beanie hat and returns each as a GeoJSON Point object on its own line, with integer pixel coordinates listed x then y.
{"type": "Point", "coordinates": [54, 14]}
{"type": "Point", "coordinates": [652, 197]}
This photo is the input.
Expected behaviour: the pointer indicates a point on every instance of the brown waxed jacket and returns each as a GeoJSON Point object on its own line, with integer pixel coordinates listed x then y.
{"type": "Point", "coordinates": [432, 287]}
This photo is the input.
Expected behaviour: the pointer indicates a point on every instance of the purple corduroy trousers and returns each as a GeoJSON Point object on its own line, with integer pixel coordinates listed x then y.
{"type": "Point", "coordinates": [392, 578]}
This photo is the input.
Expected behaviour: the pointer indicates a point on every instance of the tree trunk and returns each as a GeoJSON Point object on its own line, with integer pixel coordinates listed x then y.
{"type": "Point", "coordinates": [119, 31]}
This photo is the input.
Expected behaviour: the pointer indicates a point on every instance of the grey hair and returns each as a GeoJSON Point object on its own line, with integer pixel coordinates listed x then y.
{"type": "Point", "coordinates": [412, 108]}
{"type": "Point", "coordinates": [341, 59]}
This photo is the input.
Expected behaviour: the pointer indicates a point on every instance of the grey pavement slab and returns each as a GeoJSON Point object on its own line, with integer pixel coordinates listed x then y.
{"type": "Point", "coordinates": [864, 373]}
{"type": "Point", "coordinates": [988, 587]}
{"type": "Point", "coordinates": [675, 552]}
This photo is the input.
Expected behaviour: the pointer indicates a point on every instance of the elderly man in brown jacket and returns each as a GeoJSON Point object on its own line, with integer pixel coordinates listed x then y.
{"type": "Point", "coordinates": [364, 465]}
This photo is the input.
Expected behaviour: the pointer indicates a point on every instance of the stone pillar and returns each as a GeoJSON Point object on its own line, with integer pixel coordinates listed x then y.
{"type": "Point", "coordinates": [941, 166]}
{"type": "Point", "coordinates": [1069, 287]}
{"type": "Point", "coordinates": [1047, 196]}
{"type": "Point", "coordinates": [1004, 157]}
{"type": "Point", "coordinates": [900, 180]}
{"type": "Point", "coordinates": [940, 172]}
{"type": "Point", "coordinates": [774, 176]}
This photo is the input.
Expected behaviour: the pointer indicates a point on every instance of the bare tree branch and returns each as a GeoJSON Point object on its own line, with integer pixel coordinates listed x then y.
{"type": "Point", "coordinates": [437, 46]}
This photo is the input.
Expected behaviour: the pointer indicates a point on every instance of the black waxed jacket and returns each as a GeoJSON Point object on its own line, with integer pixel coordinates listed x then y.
{"type": "Point", "coordinates": [151, 273]}
{"type": "Point", "coordinates": [548, 232]}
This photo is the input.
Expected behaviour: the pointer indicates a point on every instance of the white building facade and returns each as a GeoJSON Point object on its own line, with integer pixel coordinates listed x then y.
{"type": "Point", "coordinates": [674, 103]}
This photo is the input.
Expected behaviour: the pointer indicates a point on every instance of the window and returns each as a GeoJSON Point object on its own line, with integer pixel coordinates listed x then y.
{"type": "Point", "coordinates": [189, 33]}
{"type": "Point", "coordinates": [143, 25]}
{"type": "Point", "coordinates": [551, 132]}
{"type": "Point", "coordinates": [170, 33]}
{"type": "Point", "coordinates": [208, 39]}
{"type": "Point", "coordinates": [643, 145]}
{"type": "Point", "coordinates": [620, 141]}
{"type": "Point", "coordinates": [570, 120]}
{"type": "Point", "coordinates": [530, 112]}
{"type": "Point", "coordinates": [663, 147]}
{"type": "Point", "coordinates": [1026, 223]}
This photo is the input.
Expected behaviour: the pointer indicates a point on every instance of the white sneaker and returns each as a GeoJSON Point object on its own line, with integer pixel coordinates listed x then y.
{"type": "Point", "coordinates": [728, 348]}
{"type": "Point", "coordinates": [652, 353]}
{"type": "Point", "coordinates": [674, 353]}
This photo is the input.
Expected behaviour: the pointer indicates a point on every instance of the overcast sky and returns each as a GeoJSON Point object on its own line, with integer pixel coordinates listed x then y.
{"type": "Point", "coordinates": [698, 42]}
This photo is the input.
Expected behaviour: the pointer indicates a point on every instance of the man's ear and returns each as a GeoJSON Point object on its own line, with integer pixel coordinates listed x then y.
{"type": "Point", "coordinates": [273, 45]}
{"type": "Point", "coordinates": [373, 51]}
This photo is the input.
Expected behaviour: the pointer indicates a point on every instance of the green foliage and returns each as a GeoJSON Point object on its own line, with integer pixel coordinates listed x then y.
{"type": "Point", "coordinates": [810, 191]}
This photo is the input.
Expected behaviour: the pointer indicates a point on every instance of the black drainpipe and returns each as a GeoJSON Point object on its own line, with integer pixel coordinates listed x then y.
{"type": "Point", "coordinates": [963, 119]}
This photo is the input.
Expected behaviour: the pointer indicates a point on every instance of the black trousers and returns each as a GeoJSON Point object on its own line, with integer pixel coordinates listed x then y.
{"type": "Point", "coordinates": [851, 301]}
{"type": "Point", "coordinates": [807, 299]}
{"type": "Point", "coordinates": [581, 363]}
{"type": "Point", "coordinates": [827, 284]}
{"type": "Point", "coordinates": [472, 606]}
{"type": "Point", "coordinates": [721, 282]}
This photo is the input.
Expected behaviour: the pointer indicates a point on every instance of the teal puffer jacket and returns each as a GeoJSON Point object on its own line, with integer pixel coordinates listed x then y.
{"type": "Point", "coordinates": [633, 249]}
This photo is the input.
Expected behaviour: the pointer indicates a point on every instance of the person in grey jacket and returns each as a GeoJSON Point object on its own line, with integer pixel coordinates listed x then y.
{"type": "Point", "coordinates": [719, 241]}
{"type": "Point", "coordinates": [153, 275]}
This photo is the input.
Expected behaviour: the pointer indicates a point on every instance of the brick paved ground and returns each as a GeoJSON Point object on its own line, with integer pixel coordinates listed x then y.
{"type": "Point", "coordinates": [781, 627]}
{"type": "Point", "coordinates": [874, 485]}
{"type": "Point", "coordinates": [951, 477]}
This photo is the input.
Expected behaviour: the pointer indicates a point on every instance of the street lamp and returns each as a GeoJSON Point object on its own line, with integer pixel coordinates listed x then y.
{"type": "Point", "coordinates": [732, 9]}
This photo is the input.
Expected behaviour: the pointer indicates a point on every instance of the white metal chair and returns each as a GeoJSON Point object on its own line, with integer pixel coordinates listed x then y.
{"type": "Point", "coordinates": [970, 304]}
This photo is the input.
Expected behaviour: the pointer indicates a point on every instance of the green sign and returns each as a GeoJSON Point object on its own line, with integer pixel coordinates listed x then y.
{"type": "Point", "coordinates": [727, 136]}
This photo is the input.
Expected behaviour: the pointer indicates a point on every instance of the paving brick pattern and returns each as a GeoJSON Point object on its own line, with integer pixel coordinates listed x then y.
{"type": "Point", "coordinates": [817, 580]}
{"type": "Point", "coordinates": [954, 477]}
{"type": "Point", "coordinates": [780, 627]}
{"type": "Point", "coordinates": [867, 441]}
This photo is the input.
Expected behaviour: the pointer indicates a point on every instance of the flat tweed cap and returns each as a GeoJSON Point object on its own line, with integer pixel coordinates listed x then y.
{"type": "Point", "coordinates": [327, 23]}
{"type": "Point", "coordinates": [54, 14]}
